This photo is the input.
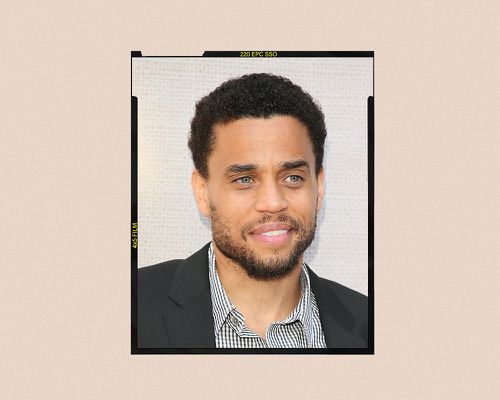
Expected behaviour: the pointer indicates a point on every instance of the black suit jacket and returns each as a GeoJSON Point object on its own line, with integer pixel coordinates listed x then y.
{"type": "Point", "coordinates": [175, 307]}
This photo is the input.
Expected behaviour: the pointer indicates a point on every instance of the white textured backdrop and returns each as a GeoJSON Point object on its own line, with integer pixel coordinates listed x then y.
{"type": "Point", "coordinates": [169, 223]}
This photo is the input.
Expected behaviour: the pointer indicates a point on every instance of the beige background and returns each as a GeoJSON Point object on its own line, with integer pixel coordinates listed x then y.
{"type": "Point", "coordinates": [65, 163]}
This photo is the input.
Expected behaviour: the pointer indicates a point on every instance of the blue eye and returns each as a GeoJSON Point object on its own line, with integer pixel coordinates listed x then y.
{"type": "Point", "coordinates": [244, 180]}
{"type": "Point", "coordinates": [294, 179]}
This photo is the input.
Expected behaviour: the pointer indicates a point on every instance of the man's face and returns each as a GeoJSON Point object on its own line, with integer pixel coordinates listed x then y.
{"type": "Point", "coordinates": [262, 194]}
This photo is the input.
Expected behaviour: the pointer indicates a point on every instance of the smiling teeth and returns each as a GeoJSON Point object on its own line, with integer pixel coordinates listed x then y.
{"type": "Point", "coordinates": [275, 233]}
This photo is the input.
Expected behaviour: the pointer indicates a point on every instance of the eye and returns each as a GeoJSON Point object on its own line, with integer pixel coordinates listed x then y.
{"type": "Point", "coordinates": [294, 179]}
{"type": "Point", "coordinates": [244, 180]}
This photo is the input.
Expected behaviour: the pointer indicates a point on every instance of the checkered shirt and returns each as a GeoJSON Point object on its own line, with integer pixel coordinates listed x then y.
{"type": "Point", "coordinates": [301, 329]}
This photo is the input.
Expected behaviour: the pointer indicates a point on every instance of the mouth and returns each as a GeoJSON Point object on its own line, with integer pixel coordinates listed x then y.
{"type": "Point", "coordinates": [272, 234]}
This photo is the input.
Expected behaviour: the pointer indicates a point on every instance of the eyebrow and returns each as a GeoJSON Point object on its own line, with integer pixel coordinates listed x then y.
{"type": "Point", "coordinates": [237, 168]}
{"type": "Point", "coordinates": [294, 164]}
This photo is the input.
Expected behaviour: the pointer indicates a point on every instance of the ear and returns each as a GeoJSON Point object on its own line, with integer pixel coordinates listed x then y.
{"type": "Point", "coordinates": [200, 191]}
{"type": "Point", "coordinates": [321, 179]}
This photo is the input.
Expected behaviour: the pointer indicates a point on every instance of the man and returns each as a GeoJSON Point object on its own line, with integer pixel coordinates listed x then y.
{"type": "Point", "coordinates": [257, 146]}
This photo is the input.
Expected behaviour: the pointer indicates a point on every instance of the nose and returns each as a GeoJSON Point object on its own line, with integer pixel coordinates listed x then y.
{"type": "Point", "coordinates": [270, 198]}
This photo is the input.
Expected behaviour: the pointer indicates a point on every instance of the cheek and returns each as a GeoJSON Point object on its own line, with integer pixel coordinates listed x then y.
{"type": "Point", "coordinates": [233, 202]}
{"type": "Point", "coordinates": [303, 202]}
{"type": "Point", "coordinates": [230, 212]}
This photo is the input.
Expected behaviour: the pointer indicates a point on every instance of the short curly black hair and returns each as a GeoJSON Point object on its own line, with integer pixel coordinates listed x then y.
{"type": "Point", "coordinates": [254, 96]}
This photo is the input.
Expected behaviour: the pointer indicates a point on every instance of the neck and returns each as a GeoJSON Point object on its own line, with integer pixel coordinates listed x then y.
{"type": "Point", "coordinates": [261, 302]}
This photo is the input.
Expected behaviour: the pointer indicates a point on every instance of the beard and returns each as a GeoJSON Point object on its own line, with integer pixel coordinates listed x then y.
{"type": "Point", "coordinates": [268, 268]}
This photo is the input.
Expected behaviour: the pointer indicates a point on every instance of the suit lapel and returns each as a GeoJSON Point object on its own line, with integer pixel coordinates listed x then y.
{"type": "Point", "coordinates": [189, 317]}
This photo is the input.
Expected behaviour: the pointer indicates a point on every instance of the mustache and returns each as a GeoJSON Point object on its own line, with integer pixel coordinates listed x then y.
{"type": "Point", "coordinates": [281, 218]}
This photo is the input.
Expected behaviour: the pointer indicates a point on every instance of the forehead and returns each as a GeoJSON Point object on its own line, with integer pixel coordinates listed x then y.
{"type": "Point", "coordinates": [261, 141]}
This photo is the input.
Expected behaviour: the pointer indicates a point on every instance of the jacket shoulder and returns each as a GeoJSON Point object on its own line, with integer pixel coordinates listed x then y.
{"type": "Point", "coordinates": [154, 283]}
{"type": "Point", "coordinates": [343, 311]}
{"type": "Point", "coordinates": [173, 303]}
{"type": "Point", "coordinates": [356, 302]}
{"type": "Point", "coordinates": [157, 276]}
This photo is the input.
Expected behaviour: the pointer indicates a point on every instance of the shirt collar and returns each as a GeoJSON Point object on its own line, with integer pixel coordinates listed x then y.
{"type": "Point", "coordinates": [223, 307]}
